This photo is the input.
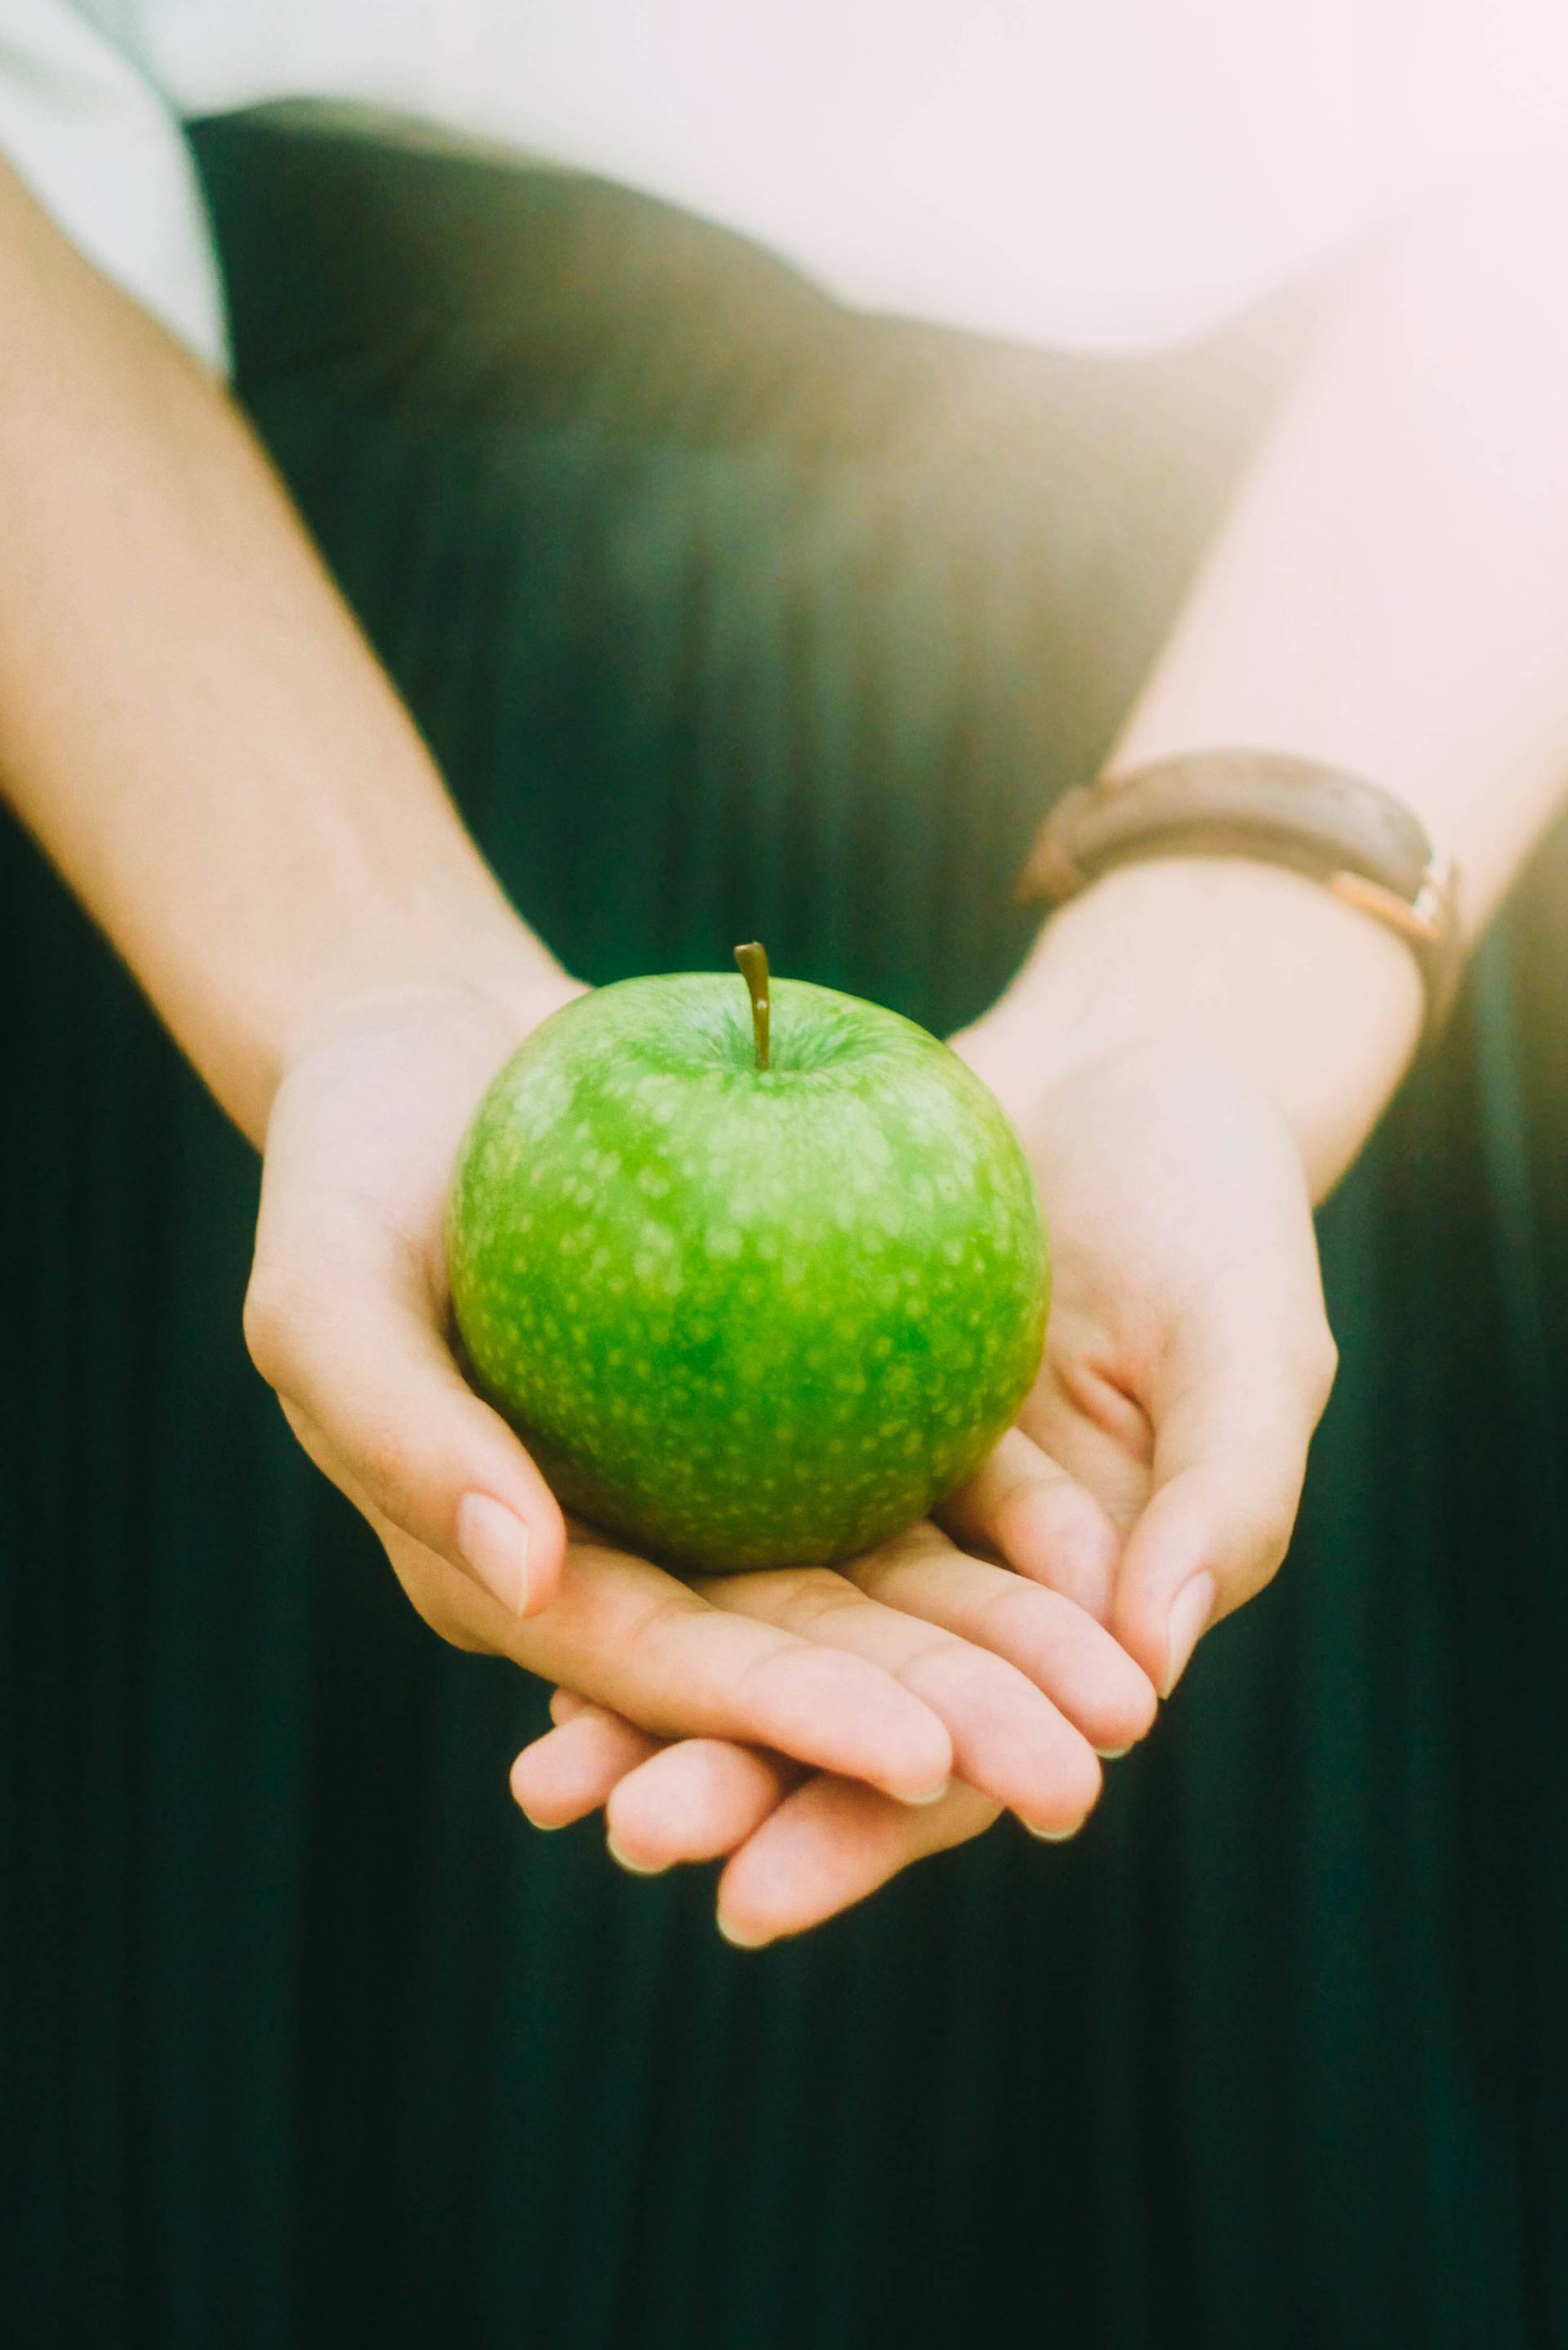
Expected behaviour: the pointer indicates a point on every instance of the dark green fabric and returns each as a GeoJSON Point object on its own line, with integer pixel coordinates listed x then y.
{"type": "Point", "coordinates": [727, 614]}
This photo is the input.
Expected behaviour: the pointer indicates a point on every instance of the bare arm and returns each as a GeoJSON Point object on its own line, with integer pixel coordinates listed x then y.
{"type": "Point", "coordinates": [1390, 594]}
{"type": "Point", "coordinates": [189, 721]}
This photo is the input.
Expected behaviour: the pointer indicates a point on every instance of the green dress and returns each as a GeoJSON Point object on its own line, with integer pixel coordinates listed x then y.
{"type": "Point", "coordinates": [729, 614]}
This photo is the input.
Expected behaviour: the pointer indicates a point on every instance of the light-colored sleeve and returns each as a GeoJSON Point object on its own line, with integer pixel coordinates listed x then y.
{"type": "Point", "coordinates": [1097, 173]}
{"type": "Point", "coordinates": [104, 154]}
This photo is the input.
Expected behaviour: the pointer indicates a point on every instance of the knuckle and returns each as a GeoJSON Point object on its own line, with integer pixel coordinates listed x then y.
{"type": "Point", "coordinates": [383, 1459]}
{"type": "Point", "coordinates": [1028, 1491]}
{"type": "Point", "coordinates": [447, 1624]}
{"type": "Point", "coordinates": [1046, 1508]}
{"type": "Point", "coordinates": [941, 1670]}
{"type": "Point", "coordinates": [1007, 1613]}
{"type": "Point", "coordinates": [1322, 1365]}
{"type": "Point", "coordinates": [1268, 1550]}
{"type": "Point", "coordinates": [438, 1599]}
{"type": "Point", "coordinates": [874, 1576]}
{"type": "Point", "coordinates": [792, 1678]}
{"type": "Point", "coordinates": [267, 1325]}
{"type": "Point", "coordinates": [813, 1593]}
{"type": "Point", "coordinates": [875, 1568]}
{"type": "Point", "coordinates": [1034, 1484]}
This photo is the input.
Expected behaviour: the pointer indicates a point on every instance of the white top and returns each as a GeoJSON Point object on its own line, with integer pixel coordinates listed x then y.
{"type": "Point", "coordinates": [1092, 173]}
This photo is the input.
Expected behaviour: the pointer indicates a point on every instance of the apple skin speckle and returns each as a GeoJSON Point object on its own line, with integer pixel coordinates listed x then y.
{"type": "Point", "coordinates": [701, 1291]}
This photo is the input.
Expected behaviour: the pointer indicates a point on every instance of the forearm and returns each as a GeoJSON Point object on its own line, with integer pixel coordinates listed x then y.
{"type": "Point", "coordinates": [1388, 594]}
{"type": "Point", "coordinates": [189, 721]}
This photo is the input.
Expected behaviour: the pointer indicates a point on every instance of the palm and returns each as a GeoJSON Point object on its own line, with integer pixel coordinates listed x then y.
{"type": "Point", "coordinates": [1176, 1201]}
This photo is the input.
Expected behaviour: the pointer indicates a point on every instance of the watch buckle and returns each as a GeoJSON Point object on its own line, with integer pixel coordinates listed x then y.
{"type": "Point", "coordinates": [1427, 916]}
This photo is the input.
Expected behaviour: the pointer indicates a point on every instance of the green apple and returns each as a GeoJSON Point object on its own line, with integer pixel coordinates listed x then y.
{"type": "Point", "coordinates": [748, 1307]}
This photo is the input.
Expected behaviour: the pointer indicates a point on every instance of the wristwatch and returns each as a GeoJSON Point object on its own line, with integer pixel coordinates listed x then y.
{"type": "Point", "coordinates": [1355, 838]}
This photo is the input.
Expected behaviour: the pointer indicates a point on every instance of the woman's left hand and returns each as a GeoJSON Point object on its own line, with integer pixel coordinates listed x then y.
{"type": "Point", "coordinates": [1150, 1488]}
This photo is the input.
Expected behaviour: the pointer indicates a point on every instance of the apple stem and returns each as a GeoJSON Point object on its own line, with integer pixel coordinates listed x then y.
{"type": "Point", "coordinates": [752, 962]}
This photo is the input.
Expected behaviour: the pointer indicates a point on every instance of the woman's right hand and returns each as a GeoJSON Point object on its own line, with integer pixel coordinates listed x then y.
{"type": "Point", "coordinates": [876, 1681]}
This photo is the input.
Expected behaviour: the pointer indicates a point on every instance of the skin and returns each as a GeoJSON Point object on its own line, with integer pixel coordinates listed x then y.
{"type": "Point", "coordinates": [1192, 1055]}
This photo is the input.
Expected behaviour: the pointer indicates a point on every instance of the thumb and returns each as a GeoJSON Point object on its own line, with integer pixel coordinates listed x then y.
{"type": "Point", "coordinates": [349, 1340]}
{"type": "Point", "coordinates": [1233, 1404]}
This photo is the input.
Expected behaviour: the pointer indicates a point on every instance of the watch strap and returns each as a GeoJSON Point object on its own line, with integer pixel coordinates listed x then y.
{"type": "Point", "coordinates": [1333, 827]}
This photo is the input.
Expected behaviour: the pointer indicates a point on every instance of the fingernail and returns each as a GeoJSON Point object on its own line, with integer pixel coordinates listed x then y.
{"type": "Point", "coordinates": [931, 1795]}
{"type": "Point", "coordinates": [546, 1828]}
{"type": "Point", "coordinates": [1112, 1753]}
{"type": "Point", "coordinates": [633, 1867]}
{"type": "Point", "coordinates": [738, 1941]}
{"type": "Point", "coordinates": [1054, 1836]}
{"type": "Point", "coordinates": [494, 1541]}
{"type": "Point", "coordinates": [1189, 1612]}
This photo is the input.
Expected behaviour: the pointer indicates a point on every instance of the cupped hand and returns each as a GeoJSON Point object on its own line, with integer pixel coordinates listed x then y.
{"type": "Point", "coordinates": [923, 1661]}
{"type": "Point", "coordinates": [1152, 1484]}
{"type": "Point", "coordinates": [1190, 1358]}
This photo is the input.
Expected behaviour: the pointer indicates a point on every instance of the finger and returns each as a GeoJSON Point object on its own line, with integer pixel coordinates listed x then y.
{"type": "Point", "coordinates": [1234, 1405]}
{"type": "Point", "coordinates": [1042, 1521]}
{"type": "Point", "coordinates": [1090, 1425]}
{"type": "Point", "coordinates": [341, 1321]}
{"type": "Point", "coordinates": [827, 1846]}
{"type": "Point", "coordinates": [1072, 1659]}
{"type": "Point", "coordinates": [694, 1800]}
{"type": "Point", "coordinates": [1009, 1740]}
{"type": "Point", "coordinates": [627, 1636]}
{"type": "Point", "coordinates": [574, 1770]}
{"type": "Point", "coordinates": [697, 1800]}
{"type": "Point", "coordinates": [636, 1640]}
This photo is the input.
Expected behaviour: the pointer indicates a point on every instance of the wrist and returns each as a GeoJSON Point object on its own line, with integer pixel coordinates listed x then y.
{"type": "Point", "coordinates": [496, 966]}
{"type": "Point", "coordinates": [1215, 959]}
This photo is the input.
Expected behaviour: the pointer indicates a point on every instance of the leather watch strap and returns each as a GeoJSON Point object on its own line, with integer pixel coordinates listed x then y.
{"type": "Point", "coordinates": [1334, 827]}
